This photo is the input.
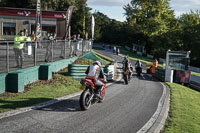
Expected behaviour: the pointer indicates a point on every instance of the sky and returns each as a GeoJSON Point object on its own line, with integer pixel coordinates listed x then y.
{"type": "Point", "coordinates": [114, 8]}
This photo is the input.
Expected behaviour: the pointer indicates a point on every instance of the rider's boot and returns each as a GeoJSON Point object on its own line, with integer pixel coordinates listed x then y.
{"type": "Point", "coordinates": [98, 94]}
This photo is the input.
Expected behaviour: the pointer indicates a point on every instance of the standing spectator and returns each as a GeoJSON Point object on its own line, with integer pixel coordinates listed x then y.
{"type": "Point", "coordinates": [155, 64]}
{"type": "Point", "coordinates": [19, 48]}
{"type": "Point", "coordinates": [26, 32]}
{"type": "Point", "coordinates": [85, 41]}
{"type": "Point", "coordinates": [49, 47]}
{"type": "Point", "coordinates": [79, 39]}
{"type": "Point", "coordinates": [73, 46]}
{"type": "Point", "coordinates": [33, 36]}
{"type": "Point", "coordinates": [114, 49]}
{"type": "Point", "coordinates": [62, 43]}
{"type": "Point", "coordinates": [117, 51]}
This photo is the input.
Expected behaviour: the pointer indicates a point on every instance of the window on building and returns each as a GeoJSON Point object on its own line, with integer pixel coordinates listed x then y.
{"type": "Point", "coordinates": [46, 30]}
{"type": "Point", "coordinates": [9, 28]}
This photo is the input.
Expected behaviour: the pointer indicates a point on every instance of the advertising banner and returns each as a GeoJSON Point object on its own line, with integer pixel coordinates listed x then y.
{"type": "Point", "coordinates": [92, 27]}
{"type": "Point", "coordinates": [38, 33]}
{"type": "Point", "coordinates": [68, 20]}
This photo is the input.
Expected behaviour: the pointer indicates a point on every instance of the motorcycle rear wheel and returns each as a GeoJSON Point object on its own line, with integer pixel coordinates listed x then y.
{"type": "Point", "coordinates": [84, 100]}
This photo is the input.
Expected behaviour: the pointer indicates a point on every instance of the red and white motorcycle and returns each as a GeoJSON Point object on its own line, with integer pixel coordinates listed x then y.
{"type": "Point", "coordinates": [88, 96]}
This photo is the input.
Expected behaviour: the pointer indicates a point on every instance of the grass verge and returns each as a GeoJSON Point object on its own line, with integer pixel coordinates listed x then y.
{"type": "Point", "coordinates": [83, 61]}
{"type": "Point", "coordinates": [107, 60]}
{"type": "Point", "coordinates": [195, 73]}
{"type": "Point", "coordinates": [184, 115]}
{"type": "Point", "coordinates": [40, 91]}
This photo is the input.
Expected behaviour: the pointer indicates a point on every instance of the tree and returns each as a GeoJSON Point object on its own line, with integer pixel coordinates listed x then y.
{"type": "Point", "coordinates": [151, 18]}
{"type": "Point", "coordinates": [191, 35]}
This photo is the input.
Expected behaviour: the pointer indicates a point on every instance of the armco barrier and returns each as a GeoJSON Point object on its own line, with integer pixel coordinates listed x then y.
{"type": "Point", "coordinates": [16, 80]}
{"type": "Point", "coordinates": [46, 70]}
{"type": "Point", "coordinates": [3, 82]}
{"type": "Point", "coordinates": [160, 73]}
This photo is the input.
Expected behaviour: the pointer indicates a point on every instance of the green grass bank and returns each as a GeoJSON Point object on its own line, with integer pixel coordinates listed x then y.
{"type": "Point", "coordinates": [184, 114]}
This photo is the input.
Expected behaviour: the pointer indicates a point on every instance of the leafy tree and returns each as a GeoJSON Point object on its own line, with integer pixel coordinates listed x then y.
{"type": "Point", "coordinates": [191, 35]}
{"type": "Point", "coordinates": [151, 18]}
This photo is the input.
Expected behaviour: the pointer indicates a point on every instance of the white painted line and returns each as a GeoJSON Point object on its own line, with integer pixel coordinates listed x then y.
{"type": "Point", "coordinates": [40, 105]}
{"type": "Point", "coordinates": [44, 104]}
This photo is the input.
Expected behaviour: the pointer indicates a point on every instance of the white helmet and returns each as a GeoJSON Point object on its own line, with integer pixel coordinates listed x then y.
{"type": "Point", "coordinates": [97, 62]}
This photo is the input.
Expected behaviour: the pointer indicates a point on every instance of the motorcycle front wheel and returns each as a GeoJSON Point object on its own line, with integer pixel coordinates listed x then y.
{"type": "Point", "coordinates": [84, 100]}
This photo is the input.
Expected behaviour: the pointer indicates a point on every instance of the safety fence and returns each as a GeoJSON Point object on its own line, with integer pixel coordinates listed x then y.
{"type": "Point", "coordinates": [36, 53]}
{"type": "Point", "coordinates": [15, 80]}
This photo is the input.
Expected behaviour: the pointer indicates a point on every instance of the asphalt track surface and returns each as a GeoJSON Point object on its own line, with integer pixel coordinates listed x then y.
{"type": "Point", "coordinates": [126, 109]}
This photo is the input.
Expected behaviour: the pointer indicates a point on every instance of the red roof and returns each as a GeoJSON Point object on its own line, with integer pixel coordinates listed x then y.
{"type": "Point", "coordinates": [31, 13]}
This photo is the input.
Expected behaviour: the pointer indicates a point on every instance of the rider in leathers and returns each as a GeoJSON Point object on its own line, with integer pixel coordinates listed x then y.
{"type": "Point", "coordinates": [127, 65]}
{"type": "Point", "coordinates": [138, 64]}
{"type": "Point", "coordinates": [96, 73]}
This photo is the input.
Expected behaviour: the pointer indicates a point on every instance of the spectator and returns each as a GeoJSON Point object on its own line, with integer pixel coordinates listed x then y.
{"type": "Point", "coordinates": [26, 32]}
{"type": "Point", "coordinates": [19, 49]}
{"type": "Point", "coordinates": [155, 64]}
{"type": "Point", "coordinates": [63, 47]}
{"type": "Point", "coordinates": [49, 47]}
{"type": "Point", "coordinates": [33, 36]}
{"type": "Point", "coordinates": [79, 42]}
{"type": "Point", "coordinates": [73, 46]}
{"type": "Point", "coordinates": [114, 49]}
{"type": "Point", "coordinates": [85, 41]}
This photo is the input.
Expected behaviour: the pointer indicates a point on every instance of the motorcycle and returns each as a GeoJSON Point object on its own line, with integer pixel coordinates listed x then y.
{"type": "Point", "coordinates": [88, 96]}
{"type": "Point", "coordinates": [126, 75]}
{"type": "Point", "coordinates": [138, 71]}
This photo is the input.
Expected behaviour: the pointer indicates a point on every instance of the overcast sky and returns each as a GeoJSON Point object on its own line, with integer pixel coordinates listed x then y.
{"type": "Point", "coordinates": [114, 8]}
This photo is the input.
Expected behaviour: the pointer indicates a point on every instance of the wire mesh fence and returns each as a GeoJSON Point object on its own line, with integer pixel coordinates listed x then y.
{"type": "Point", "coordinates": [36, 53]}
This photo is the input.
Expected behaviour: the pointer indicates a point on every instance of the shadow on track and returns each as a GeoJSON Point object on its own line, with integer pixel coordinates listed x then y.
{"type": "Point", "coordinates": [69, 105]}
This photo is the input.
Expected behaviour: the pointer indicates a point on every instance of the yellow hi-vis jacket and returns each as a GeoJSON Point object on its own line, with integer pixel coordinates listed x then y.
{"type": "Point", "coordinates": [19, 45]}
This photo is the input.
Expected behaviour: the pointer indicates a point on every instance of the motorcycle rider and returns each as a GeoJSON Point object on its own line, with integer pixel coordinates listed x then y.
{"type": "Point", "coordinates": [125, 62]}
{"type": "Point", "coordinates": [96, 73]}
{"type": "Point", "coordinates": [128, 65]}
{"type": "Point", "coordinates": [138, 65]}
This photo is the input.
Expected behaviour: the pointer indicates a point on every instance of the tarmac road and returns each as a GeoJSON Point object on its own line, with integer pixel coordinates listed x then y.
{"type": "Point", "coordinates": [126, 109]}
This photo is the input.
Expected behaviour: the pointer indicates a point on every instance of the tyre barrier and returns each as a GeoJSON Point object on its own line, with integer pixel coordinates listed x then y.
{"type": "Point", "coordinates": [78, 71]}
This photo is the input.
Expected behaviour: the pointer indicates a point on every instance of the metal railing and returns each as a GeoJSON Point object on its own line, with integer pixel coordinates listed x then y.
{"type": "Point", "coordinates": [36, 53]}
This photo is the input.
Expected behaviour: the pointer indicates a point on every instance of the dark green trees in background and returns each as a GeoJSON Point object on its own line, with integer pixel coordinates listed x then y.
{"type": "Point", "coordinates": [190, 35]}
{"type": "Point", "coordinates": [153, 19]}
{"type": "Point", "coordinates": [161, 31]}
